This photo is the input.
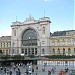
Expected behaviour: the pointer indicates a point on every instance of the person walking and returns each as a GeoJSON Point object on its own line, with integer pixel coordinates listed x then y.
{"type": "Point", "coordinates": [19, 73]}
{"type": "Point", "coordinates": [25, 73]}
{"type": "Point", "coordinates": [16, 72]}
{"type": "Point", "coordinates": [30, 72]}
{"type": "Point", "coordinates": [10, 72]}
{"type": "Point", "coordinates": [49, 72]}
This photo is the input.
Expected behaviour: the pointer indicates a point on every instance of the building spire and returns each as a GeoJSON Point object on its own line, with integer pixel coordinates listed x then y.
{"type": "Point", "coordinates": [30, 16]}
{"type": "Point", "coordinates": [16, 18]}
{"type": "Point", "coordinates": [44, 13]}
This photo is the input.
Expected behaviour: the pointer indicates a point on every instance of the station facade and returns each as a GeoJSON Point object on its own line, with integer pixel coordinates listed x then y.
{"type": "Point", "coordinates": [31, 37]}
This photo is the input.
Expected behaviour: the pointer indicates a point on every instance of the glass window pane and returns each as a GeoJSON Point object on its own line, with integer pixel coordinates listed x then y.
{"type": "Point", "coordinates": [29, 37]}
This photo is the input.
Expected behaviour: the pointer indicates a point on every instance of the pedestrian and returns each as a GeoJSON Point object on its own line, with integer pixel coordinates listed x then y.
{"type": "Point", "coordinates": [5, 69]}
{"type": "Point", "coordinates": [25, 73]}
{"type": "Point", "coordinates": [49, 72]}
{"type": "Point", "coordinates": [10, 72]}
{"type": "Point", "coordinates": [30, 72]}
{"type": "Point", "coordinates": [36, 67]}
{"type": "Point", "coordinates": [16, 72]}
{"type": "Point", "coordinates": [36, 73]}
{"type": "Point", "coordinates": [32, 69]}
{"type": "Point", "coordinates": [43, 69]}
{"type": "Point", "coordinates": [19, 73]}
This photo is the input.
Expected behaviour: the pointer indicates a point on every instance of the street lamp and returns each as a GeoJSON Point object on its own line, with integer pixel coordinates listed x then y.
{"type": "Point", "coordinates": [40, 48]}
{"type": "Point", "coordinates": [29, 44]}
{"type": "Point", "coordinates": [29, 37]}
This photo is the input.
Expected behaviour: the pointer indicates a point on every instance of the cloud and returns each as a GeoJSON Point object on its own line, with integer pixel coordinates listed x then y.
{"type": "Point", "coordinates": [45, 0]}
{"type": "Point", "coordinates": [48, 0]}
{"type": "Point", "coordinates": [5, 32]}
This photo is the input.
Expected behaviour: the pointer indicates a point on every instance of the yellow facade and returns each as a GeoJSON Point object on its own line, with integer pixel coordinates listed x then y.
{"type": "Point", "coordinates": [5, 45]}
{"type": "Point", "coordinates": [63, 45]}
{"type": "Point", "coordinates": [59, 44]}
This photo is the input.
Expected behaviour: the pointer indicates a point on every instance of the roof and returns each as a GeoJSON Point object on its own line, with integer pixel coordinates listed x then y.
{"type": "Point", "coordinates": [5, 38]}
{"type": "Point", "coordinates": [63, 33]}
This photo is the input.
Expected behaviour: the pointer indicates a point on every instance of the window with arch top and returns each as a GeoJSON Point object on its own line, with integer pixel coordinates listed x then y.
{"type": "Point", "coordinates": [29, 37]}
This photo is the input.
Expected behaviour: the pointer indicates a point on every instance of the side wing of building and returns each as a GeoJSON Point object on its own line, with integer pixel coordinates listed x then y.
{"type": "Point", "coordinates": [62, 43]}
{"type": "Point", "coordinates": [5, 45]}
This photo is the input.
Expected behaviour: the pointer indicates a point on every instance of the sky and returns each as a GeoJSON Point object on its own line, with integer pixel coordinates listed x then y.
{"type": "Point", "coordinates": [60, 12]}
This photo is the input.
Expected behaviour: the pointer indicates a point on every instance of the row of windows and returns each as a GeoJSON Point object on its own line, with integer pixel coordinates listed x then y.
{"type": "Point", "coordinates": [5, 45]}
{"type": "Point", "coordinates": [6, 51]}
{"type": "Point", "coordinates": [69, 42]}
{"type": "Point", "coordinates": [63, 51]}
{"type": "Point", "coordinates": [29, 51]}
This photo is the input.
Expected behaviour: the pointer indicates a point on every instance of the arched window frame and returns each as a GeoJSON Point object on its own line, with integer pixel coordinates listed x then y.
{"type": "Point", "coordinates": [29, 37]}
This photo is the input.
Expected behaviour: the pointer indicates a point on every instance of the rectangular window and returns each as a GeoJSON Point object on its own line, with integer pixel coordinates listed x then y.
{"type": "Point", "coordinates": [35, 51]}
{"type": "Point", "coordinates": [69, 51]}
{"type": "Point", "coordinates": [63, 42]}
{"type": "Point", "coordinates": [58, 51]}
{"type": "Point", "coordinates": [32, 51]}
{"type": "Point", "coordinates": [8, 44]}
{"type": "Point", "coordinates": [4, 44]}
{"type": "Point", "coordinates": [22, 51]}
{"type": "Point", "coordinates": [25, 51]}
{"type": "Point", "coordinates": [3, 51]}
{"type": "Point", "coordinates": [1, 44]}
{"type": "Point", "coordinates": [74, 41]}
{"type": "Point", "coordinates": [58, 42]}
{"type": "Point", "coordinates": [28, 51]}
{"type": "Point", "coordinates": [69, 41]}
{"type": "Point", "coordinates": [74, 51]}
{"type": "Point", "coordinates": [14, 32]}
{"type": "Point", "coordinates": [6, 51]}
{"type": "Point", "coordinates": [43, 51]}
{"type": "Point", "coordinates": [52, 43]}
{"type": "Point", "coordinates": [43, 42]}
{"type": "Point", "coordinates": [53, 52]}
{"type": "Point", "coordinates": [63, 51]}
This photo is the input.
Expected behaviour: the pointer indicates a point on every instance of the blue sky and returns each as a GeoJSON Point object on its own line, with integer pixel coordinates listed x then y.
{"type": "Point", "coordinates": [60, 12]}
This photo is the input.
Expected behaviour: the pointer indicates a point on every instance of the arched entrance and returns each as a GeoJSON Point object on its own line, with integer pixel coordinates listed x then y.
{"type": "Point", "coordinates": [29, 42]}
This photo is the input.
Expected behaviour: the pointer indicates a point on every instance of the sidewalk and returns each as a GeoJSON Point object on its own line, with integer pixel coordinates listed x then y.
{"type": "Point", "coordinates": [40, 72]}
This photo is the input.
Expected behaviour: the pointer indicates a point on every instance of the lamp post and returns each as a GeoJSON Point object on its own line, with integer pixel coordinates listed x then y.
{"type": "Point", "coordinates": [13, 48]}
{"type": "Point", "coordinates": [29, 38]}
{"type": "Point", "coordinates": [40, 48]}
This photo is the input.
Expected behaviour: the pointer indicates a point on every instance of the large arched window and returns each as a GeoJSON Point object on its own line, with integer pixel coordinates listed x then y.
{"type": "Point", "coordinates": [53, 52]}
{"type": "Point", "coordinates": [58, 51]}
{"type": "Point", "coordinates": [29, 37]}
{"type": "Point", "coordinates": [63, 51]}
{"type": "Point", "coordinates": [69, 51]}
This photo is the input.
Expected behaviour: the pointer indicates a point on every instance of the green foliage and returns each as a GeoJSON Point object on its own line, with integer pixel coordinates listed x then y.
{"type": "Point", "coordinates": [5, 57]}
{"type": "Point", "coordinates": [31, 56]}
{"type": "Point", "coordinates": [18, 57]}
{"type": "Point", "coordinates": [15, 57]}
{"type": "Point", "coordinates": [60, 57]}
